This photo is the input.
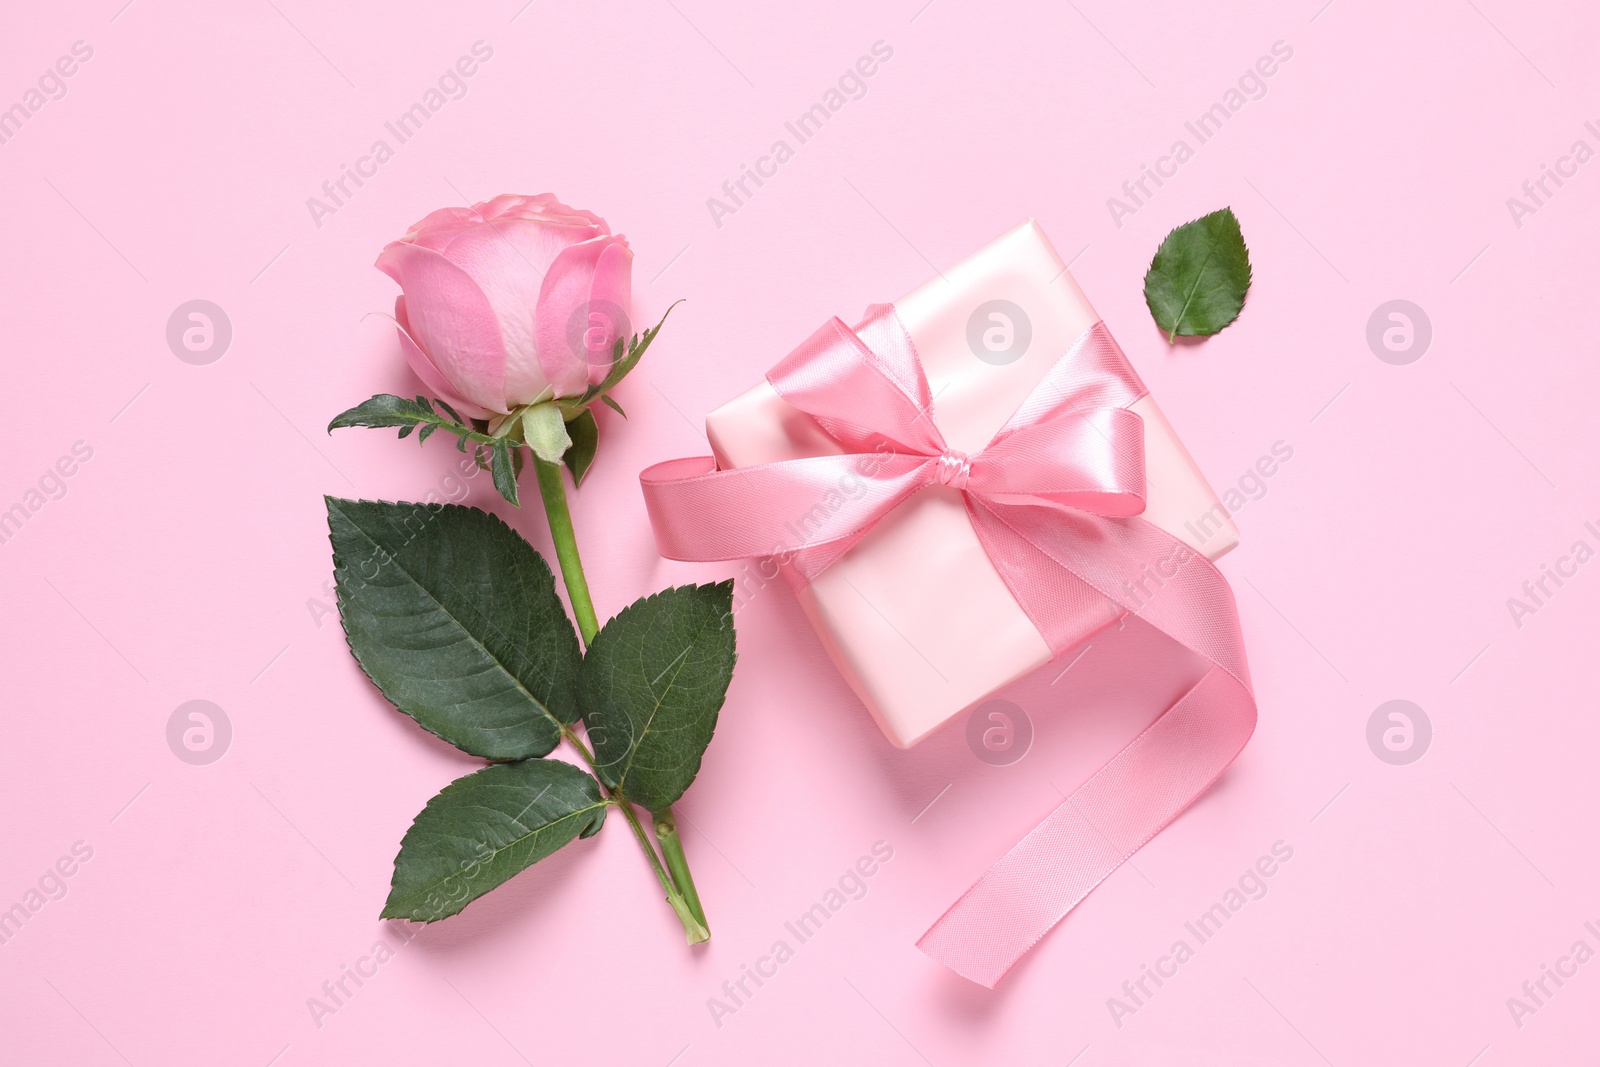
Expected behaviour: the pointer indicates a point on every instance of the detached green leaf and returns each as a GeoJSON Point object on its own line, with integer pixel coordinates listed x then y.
{"type": "Point", "coordinates": [585, 436]}
{"type": "Point", "coordinates": [1197, 282]}
{"type": "Point", "coordinates": [484, 828]}
{"type": "Point", "coordinates": [456, 619]}
{"type": "Point", "coordinates": [651, 687]}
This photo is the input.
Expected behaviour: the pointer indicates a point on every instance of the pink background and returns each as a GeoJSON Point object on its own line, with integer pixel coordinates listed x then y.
{"type": "Point", "coordinates": [188, 558]}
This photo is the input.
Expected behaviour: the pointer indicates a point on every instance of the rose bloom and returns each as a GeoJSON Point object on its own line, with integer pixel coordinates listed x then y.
{"type": "Point", "coordinates": [511, 301]}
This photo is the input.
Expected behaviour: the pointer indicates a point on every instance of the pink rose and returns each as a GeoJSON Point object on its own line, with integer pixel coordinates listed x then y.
{"type": "Point", "coordinates": [511, 301]}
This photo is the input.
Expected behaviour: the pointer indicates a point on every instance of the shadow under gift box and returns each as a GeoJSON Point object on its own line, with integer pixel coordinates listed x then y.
{"type": "Point", "coordinates": [915, 615]}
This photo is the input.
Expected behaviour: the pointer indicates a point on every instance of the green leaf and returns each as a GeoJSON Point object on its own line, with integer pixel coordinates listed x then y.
{"type": "Point", "coordinates": [585, 436]}
{"type": "Point", "coordinates": [636, 350]}
{"type": "Point", "coordinates": [456, 619]}
{"type": "Point", "coordinates": [381, 411]}
{"type": "Point", "coordinates": [651, 686]}
{"type": "Point", "coordinates": [1198, 279]}
{"type": "Point", "coordinates": [483, 829]}
{"type": "Point", "coordinates": [387, 410]}
{"type": "Point", "coordinates": [613, 405]}
{"type": "Point", "coordinates": [622, 363]}
{"type": "Point", "coordinates": [505, 474]}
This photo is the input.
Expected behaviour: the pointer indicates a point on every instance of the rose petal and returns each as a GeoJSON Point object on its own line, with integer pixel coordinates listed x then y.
{"type": "Point", "coordinates": [452, 321]}
{"type": "Point", "coordinates": [541, 208]}
{"type": "Point", "coordinates": [508, 258]}
{"type": "Point", "coordinates": [424, 369]}
{"type": "Point", "coordinates": [436, 229]}
{"type": "Point", "coordinates": [612, 288]}
{"type": "Point", "coordinates": [561, 320]}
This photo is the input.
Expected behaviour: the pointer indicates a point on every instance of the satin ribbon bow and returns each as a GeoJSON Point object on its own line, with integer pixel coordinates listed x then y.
{"type": "Point", "coordinates": [1054, 498]}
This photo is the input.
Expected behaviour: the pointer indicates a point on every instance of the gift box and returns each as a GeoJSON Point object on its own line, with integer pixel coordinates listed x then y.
{"type": "Point", "coordinates": [915, 615]}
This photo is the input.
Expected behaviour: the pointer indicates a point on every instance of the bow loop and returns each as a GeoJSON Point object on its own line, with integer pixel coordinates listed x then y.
{"type": "Point", "coordinates": [1092, 461]}
{"type": "Point", "coordinates": [865, 397]}
{"type": "Point", "coordinates": [1070, 443]}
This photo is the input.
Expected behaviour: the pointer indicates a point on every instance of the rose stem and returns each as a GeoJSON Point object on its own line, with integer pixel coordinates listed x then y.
{"type": "Point", "coordinates": [678, 863]}
{"type": "Point", "coordinates": [554, 492]}
{"type": "Point", "coordinates": [685, 902]}
{"type": "Point", "coordinates": [687, 907]}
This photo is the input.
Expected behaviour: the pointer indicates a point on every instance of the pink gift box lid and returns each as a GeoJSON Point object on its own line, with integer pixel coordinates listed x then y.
{"type": "Point", "coordinates": [915, 616]}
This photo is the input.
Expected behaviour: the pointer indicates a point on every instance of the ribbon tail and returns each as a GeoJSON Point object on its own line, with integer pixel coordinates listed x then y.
{"type": "Point", "coordinates": [1103, 823]}
{"type": "Point", "coordinates": [1123, 564]}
